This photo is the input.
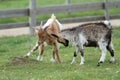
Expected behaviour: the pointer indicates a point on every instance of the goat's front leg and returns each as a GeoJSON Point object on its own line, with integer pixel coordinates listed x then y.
{"type": "Point", "coordinates": [33, 49]}
{"type": "Point", "coordinates": [82, 56]}
{"type": "Point", "coordinates": [75, 55]}
{"type": "Point", "coordinates": [40, 56]}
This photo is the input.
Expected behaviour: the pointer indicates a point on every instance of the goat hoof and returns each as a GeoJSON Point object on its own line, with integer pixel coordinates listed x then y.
{"type": "Point", "coordinates": [25, 56]}
{"type": "Point", "coordinates": [39, 58]}
{"type": "Point", "coordinates": [52, 60]}
{"type": "Point", "coordinates": [101, 62]}
{"type": "Point", "coordinates": [81, 63]}
{"type": "Point", "coordinates": [111, 61]}
{"type": "Point", "coordinates": [98, 64]}
{"type": "Point", "coordinates": [73, 62]}
{"type": "Point", "coordinates": [59, 62]}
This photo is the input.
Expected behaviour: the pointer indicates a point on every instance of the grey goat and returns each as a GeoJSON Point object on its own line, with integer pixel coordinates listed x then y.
{"type": "Point", "coordinates": [91, 35]}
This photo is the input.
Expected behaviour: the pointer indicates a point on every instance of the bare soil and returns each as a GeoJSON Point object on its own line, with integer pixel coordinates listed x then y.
{"type": "Point", "coordinates": [21, 61]}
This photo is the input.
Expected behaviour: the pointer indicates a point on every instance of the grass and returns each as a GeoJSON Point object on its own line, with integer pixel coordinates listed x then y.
{"type": "Point", "coordinates": [15, 4]}
{"type": "Point", "coordinates": [11, 47]}
{"type": "Point", "coordinates": [12, 4]}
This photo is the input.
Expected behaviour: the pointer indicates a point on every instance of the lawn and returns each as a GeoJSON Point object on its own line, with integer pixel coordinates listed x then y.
{"type": "Point", "coordinates": [18, 46]}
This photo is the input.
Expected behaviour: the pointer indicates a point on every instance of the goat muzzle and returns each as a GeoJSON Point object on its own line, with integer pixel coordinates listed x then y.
{"type": "Point", "coordinates": [66, 43]}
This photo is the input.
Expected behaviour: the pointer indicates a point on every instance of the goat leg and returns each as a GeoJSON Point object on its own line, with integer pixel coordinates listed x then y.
{"type": "Point", "coordinates": [31, 51]}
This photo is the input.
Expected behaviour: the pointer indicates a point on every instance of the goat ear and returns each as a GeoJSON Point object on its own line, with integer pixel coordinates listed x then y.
{"type": "Point", "coordinates": [54, 35]}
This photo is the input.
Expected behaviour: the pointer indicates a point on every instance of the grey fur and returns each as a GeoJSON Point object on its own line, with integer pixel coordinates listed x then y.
{"type": "Point", "coordinates": [91, 35]}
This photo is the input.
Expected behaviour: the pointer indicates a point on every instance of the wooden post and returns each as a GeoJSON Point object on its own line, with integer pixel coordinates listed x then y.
{"type": "Point", "coordinates": [32, 16]}
{"type": "Point", "coordinates": [106, 13]}
{"type": "Point", "coordinates": [67, 3]}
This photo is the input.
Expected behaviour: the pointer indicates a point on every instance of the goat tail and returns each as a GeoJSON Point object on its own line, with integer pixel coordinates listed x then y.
{"type": "Point", "coordinates": [53, 17]}
{"type": "Point", "coordinates": [107, 23]}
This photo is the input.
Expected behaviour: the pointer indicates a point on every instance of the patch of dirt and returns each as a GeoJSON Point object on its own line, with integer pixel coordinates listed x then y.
{"type": "Point", "coordinates": [21, 61]}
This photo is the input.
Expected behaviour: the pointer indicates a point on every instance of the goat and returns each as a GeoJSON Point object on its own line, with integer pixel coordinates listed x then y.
{"type": "Point", "coordinates": [49, 33]}
{"type": "Point", "coordinates": [91, 35]}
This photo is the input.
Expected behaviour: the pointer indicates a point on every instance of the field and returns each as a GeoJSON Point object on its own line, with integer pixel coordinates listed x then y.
{"type": "Point", "coordinates": [15, 4]}
{"type": "Point", "coordinates": [11, 47]}
{"type": "Point", "coordinates": [31, 69]}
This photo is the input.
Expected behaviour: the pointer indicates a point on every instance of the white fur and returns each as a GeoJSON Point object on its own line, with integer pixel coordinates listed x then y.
{"type": "Point", "coordinates": [52, 60]}
{"type": "Point", "coordinates": [102, 47]}
{"type": "Point", "coordinates": [74, 60]}
{"type": "Point", "coordinates": [39, 58]}
{"type": "Point", "coordinates": [102, 58]}
{"type": "Point", "coordinates": [29, 53]}
{"type": "Point", "coordinates": [111, 44]}
{"type": "Point", "coordinates": [82, 40]}
{"type": "Point", "coordinates": [53, 16]}
{"type": "Point", "coordinates": [60, 25]}
{"type": "Point", "coordinates": [82, 60]}
{"type": "Point", "coordinates": [49, 21]}
{"type": "Point", "coordinates": [112, 59]}
{"type": "Point", "coordinates": [106, 22]}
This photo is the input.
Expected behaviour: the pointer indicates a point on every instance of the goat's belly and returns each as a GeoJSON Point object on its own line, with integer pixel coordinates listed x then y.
{"type": "Point", "coordinates": [50, 42]}
{"type": "Point", "coordinates": [91, 44]}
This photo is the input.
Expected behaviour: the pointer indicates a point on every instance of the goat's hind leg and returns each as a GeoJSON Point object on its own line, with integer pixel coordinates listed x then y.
{"type": "Point", "coordinates": [111, 50]}
{"type": "Point", "coordinates": [33, 49]}
{"type": "Point", "coordinates": [102, 47]}
{"type": "Point", "coordinates": [55, 52]}
{"type": "Point", "coordinates": [41, 50]}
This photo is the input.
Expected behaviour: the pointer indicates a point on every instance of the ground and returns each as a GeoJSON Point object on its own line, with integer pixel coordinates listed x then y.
{"type": "Point", "coordinates": [21, 31]}
{"type": "Point", "coordinates": [14, 67]}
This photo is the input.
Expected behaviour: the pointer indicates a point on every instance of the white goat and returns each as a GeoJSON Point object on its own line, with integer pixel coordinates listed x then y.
{"type": "Point", "coordinates": [91, 35]}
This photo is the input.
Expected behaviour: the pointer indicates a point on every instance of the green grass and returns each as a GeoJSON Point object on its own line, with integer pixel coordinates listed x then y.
{"type": "Point", "coordinates": [11, 47]}
{"type": "Point", "coordinates": [15, 4]}
{"type": "Point", "coordinates": [12, 4]}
